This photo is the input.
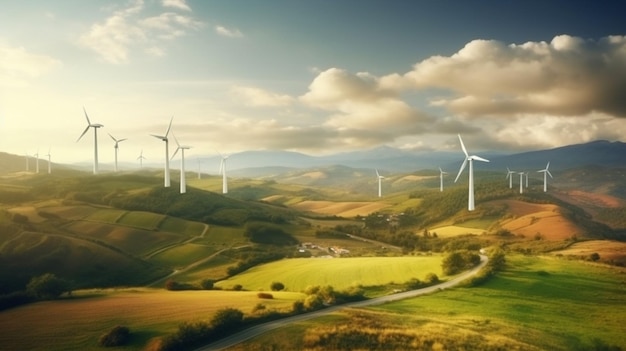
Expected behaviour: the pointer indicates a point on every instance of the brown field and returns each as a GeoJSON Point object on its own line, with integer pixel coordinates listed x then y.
{"type": "Point", "coordinates": [594, 199]}
{"type": "Point", "coordinates": [76, 324]}
{"type": "Point", "coordinates": [342, 209]}
{"type": "Point", "coordinates": [545, 219]}
{"type": "Point", "coordinates": [608, 250]}
{"type": "Point", "coordinates": [28, 211]}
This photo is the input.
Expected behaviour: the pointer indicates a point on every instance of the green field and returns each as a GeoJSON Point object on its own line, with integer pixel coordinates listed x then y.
{"type": "Point", "coordinates": [76, 324]}
{"type": "Point", "coordinates": [108, 215]}
{"type": "Point", "coordinates": [181, 226]}
{"type": "Point", "coordinates": [537, 303]}
{"type": "Point", "coordinates": [296, 274]}
{"type": "Point", "coordinates": [141, 219]}
{"type": "Point", "coordinates": [183, 255]}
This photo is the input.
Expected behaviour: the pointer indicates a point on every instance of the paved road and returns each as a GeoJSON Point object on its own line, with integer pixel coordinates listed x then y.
{"type": "Point", "coordinates": [265, 327]}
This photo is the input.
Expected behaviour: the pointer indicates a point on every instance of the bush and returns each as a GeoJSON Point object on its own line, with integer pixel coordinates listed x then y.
{"type": "Point", "coordinates": [431, 278]}
{"type": "Point", "coordinates": [263, 295]}
{"type": "Point", "coordinates": [117, 336]}
{"type": "Point", "coordinates": [207, 284]}
{"type": "Point", "coordinates": [458, 261]}
{"type": "Point", "coordinates": [277, 286]}
{"type": "Point", "coordinates": [47, 286]}
{"type": "Point", "coordinates": [227, 320]}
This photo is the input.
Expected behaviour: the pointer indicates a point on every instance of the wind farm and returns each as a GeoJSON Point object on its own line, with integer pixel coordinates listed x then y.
{"type": "Point", "coordinates": [306, 202]}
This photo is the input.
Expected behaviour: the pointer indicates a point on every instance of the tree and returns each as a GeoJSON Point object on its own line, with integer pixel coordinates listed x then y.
{"type": "Point", "coordinates": [227, 319]}
{"type": "Point", "coordinates": [117, 336]}
{"type": "Point", "coordinates": [277, 286]}
{"type": "Point", "coordinates": [48, 286]}
{"type": "Point", "coordinates": [207, 284]}
{"type": "Point", "coordinates": [594, 256]}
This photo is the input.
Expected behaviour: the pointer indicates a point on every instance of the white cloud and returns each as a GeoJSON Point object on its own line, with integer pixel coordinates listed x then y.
{"type": "Point", "coordinates": [17, 65]}
{"type": "Point", "coordinates": [115, 37]}
{"type": "Point", "coordinates": [177, 4]}
{"type": "Point", "coordinates": [227, 32]}
{"type": "Point", "coordinates": [259, 97]}
{"type": "Point", "coordinates": [568, 76]}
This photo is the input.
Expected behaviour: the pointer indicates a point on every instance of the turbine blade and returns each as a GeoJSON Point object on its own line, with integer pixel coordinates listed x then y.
{"type": "Point", "coordinates": [119, 141]}
{"type": "Point", "coordinates": [88, 121]}
{"type": "Point", "coordinates": [463, 146]}
{"type": "Point", "coordinates": [377, 174]}
{"type": "Point", "coordinates": [548, 165]}
{"type": "Point", "coordinates": [221, 166]}
{"type": "Point", "coordinates": [115, 140]}
{"type": "Point", "coordinates": [550, 174]}
{"type": "Point", "coordinates": [478, 158]}
{"type": "Point", "coordinates": [169, 127]}
{"type": "Point", "coordinates": [158, 136]}
{"type": "Point", "coordinates": [175, 152]}
{"type": "Point", "coordinates": [85, 131]}
{"type": "Point", "coordinates": [461, 170]}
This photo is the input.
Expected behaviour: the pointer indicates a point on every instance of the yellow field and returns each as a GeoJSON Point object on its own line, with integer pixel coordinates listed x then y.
{"type": "Point", "coordinates": [607, 249]}
{"type": "Point", "coordinates": [342, 209]}
{"type": "Point", "coordinates": [28, 211]}
{"type": "Point", "coordinates": [455, 230]}
{"type": "Point", "coordinates": [76, 324]}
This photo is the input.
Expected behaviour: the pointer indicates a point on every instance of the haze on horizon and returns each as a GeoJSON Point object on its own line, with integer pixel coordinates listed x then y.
{"type": "Point", "coordinates": [316, 77]}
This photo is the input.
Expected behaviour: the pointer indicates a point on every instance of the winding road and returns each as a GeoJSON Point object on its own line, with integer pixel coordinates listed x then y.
{"type": "Point", "coordinates": [265, 327]}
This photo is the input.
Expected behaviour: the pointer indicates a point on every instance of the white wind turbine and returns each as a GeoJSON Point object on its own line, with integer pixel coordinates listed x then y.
{"type": "Point", "coordinates": [469, 159]}
{"type": "Point", "coordinates": [95, 127]}
{"type": "Point", "coordinates": [141, 158]}
{"type": "Point", "coordinates": [526, 174]}
{"type": "Point", "coordinates": [116, 147]}
{"type": "Point", "coordinates": [167, 153]}
{"type": "Point", "coordinates": [509, 177]}
{"type": "Point", "coordinates": [545, 178]}
{"type": "Point", "coordinates": [37, 161]}
{"type": "Point", "coordinates": [49, 163]}
{"type": "Point", "coordinates": [183, 184]}
{"type": "Point", "coordinates": [380, 184]}
{"type": "Point", "coordinates": [223, 173]}
{"type": "Point", "coordinates": [521, 182]}
{"type": "Point", "coordinates": [441, 173]}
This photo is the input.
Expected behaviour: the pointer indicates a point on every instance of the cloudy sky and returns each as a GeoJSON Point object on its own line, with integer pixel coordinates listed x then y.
{"type": "Point", "coordinates": [316, 77]}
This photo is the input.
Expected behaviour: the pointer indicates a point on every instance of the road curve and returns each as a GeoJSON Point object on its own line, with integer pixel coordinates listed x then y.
{"type": "Point", "coordinates": [257, 330]}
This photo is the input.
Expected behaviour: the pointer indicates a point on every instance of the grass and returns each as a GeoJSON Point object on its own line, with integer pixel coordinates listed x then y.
{"type": "Point", "coordinates": [140, 219]}
{"type": "Point", "coordinates": [106, 215]}
{"type": "Point", "coordinates": [341, 273]}
{"type": "Point", "coordinates": [76, 324]}
{"type": "Point", "coordinates": [454, 230]}
{"type": "Point", "coordinates": [537, 303]}
{"type": "Point", "coordinates": [183, 255]}
{"type": "Point", "coordinates": [181, 226]}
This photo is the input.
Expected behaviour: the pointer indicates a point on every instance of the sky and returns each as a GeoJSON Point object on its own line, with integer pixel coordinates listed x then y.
{"type": "Point", "coordinates": [316, 77]}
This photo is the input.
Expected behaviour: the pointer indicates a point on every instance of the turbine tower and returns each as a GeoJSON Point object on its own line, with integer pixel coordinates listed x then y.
{"type": "Point", "coordinates": [380, 184]}
{"type": "Point", "coordinates": [167, 153]}
{"type": "Point", "coordinates": [37, 161]}
{"type": "Point", "coordinates": [27, 162]}
{"type": "Point", "coordinates": [545, 178]}
{"type": "Point", "coordinates": [526, 173]}
{"type": "Point", "coordinates": [469, 159]}
{"type": "Point", "coordinates": [509, 177]}
{"type": "Point", "coordinates": [116, 147]}
{"type": "Point", "coordinates": [49, 163]}
{"type": "Point", "coordinates": [521, 182]}
{"type": "Point", "coordinates": [141, 158]}
{"type": "Point", "coordinates": [223, 173]}
{"type": "Point", "coordinates": [95, 127]}
{"type": "Point", "coordinates": [183, 185]}
{"type": "Point", "coordinates": [441, 173]}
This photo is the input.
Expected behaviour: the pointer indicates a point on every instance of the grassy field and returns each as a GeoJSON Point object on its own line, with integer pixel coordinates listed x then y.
{"type": "Point", "coordinates": [454, 230]}
{"type": "Point", "coordinates": [537, 303]}
{"type": "Point", "coordinates": [183, 255]}
{"type": "Point", "coordinates": [297, 274]}
{"type": "Point", "coordinates": [76, 324]}
{"type": "Point", "coordinates": [140, 219]}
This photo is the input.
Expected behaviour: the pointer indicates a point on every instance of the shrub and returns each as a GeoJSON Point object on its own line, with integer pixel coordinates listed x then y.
{"type": "Point", "coordinates": [117, 336]}
{"type": "Point", "coordinates": [227, 320]}
{"type": "Point", "coordinates": [431, 278]}
{"type": "Point", "coordinates": [237, 287]}
{"type": "Point", "coordinates": [263, 295]}
{"type": "Point", "coordinates": [47, 286]}
{"type": "Point", "coordinates": [207, 284]}
{"type": "Point", "coordinates": [277, 286]}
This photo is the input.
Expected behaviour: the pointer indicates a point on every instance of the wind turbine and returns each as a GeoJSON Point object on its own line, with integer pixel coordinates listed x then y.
{"type": "Point", "coordinates": [441, 173]}
{"type": "Point", "coordinates": [199, 174]}
{"type": "Point", "coordinates": [167, 153]}
{"type": "Point", "coordinates": [469, 159]}
{"type": "Point", "coordinates": [509, 177]}
{"type": "Point", "coordinates": [223, 172]}
{"type": "Point", "coordinates": [526, 173]}
{"type": "Point", "coordinates": [116, 147]}
{"type": "Point", "coordinates": [521, 182]}
{"type": "Point", "coordinates": [183, 185]}
{"type": "Point", "coordinates": [95, 127]}
{"type": "Point", "coordinates": [141, 158]}
{"type": "Point", "coordinates": [380, 184]}
{"type": "Point", "coordinates": [49, 163]}
{"type": "Point", "coordinates": [37, 161]}
{"type": "Point", "coordinates": [545, 178]}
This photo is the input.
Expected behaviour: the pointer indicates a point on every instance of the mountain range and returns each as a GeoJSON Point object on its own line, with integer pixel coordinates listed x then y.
{"type": "Point", "coordinates": [387, 159]}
